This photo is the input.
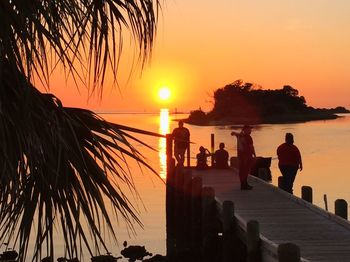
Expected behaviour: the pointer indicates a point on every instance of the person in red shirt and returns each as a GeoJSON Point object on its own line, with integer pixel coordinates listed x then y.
{"type": "Point", "coordinates": [289, 161]}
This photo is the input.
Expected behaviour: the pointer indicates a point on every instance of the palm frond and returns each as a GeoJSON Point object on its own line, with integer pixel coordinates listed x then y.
{"type": "Point", "coordinates": [61, 167]}
{"type": "Point", "coordinates": [34, 34]}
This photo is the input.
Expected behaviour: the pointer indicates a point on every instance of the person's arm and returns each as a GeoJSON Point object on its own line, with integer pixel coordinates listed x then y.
{"type": "Point", "coordinates": [233, 133]}
{"type": "Point", "coordinates": [252, 147]}
{"type": "Point", "coordinates": [208, 152]}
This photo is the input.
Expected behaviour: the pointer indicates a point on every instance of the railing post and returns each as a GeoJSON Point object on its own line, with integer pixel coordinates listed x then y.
{"type": "Point", "coordinates": [189, 152]}
{"type": "Point", "coordinates": [169, 146]}
{"type": "Point", "coordinates": [210, 226]}
{"type": "Point", "coordinates": [170, 207]}
{"type": "Point", "coordinates": [187, 208]}
{"type": "Point", "coordinates": [280, 182]}
{"type": "Point", "coordinates": [341, 208]}
{"type": "Point", "coordinates": [212, 144]}
{"type": "Point", "coordinates": [196, 218]}
{"type": "Point", "coordinates": [179, 207]}
{"type": "Point", "coordinates": [306, 193]}
{"type": "Point", "coordinates": [228, 223]}
{"type": "Point", "coordinates": [288, 252]}
{"type": "Point", "coordinates": [253, 241]}
{"type": "Point", "coordinates": [234, 162]}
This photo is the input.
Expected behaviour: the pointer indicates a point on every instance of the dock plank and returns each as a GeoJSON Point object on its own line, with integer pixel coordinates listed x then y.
{"type": "Point", "coordinates": [282, 217]}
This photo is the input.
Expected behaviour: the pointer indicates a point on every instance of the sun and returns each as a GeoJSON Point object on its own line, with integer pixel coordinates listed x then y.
{"type": "Point", "coordinates": [164, 93]}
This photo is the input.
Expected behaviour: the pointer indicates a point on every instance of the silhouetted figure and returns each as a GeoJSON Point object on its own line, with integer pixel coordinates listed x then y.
{"type": "Point", "coordinates": [181, 136]}
{"type": "Point", "coordinates": [221, 157]}
{"type": "Point", "coordinates": [202, 158]}
{"type": "Point", "coordinates": [289, 161]}
{"type": "Point", "coordinates": [245, 154]}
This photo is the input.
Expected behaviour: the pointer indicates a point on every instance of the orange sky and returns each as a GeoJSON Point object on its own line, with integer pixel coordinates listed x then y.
{"type": "Point", "coordinates": [203, 45]}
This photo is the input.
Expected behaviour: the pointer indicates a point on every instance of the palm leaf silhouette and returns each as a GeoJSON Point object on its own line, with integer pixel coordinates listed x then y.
{"type": "Point", "coordinates": [61, 166]}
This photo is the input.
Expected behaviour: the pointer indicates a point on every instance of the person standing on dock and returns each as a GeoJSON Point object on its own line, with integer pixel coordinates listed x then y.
{"type": "Point", "coordinates": [181, 136]}
{"type": "Point", "coordinates": [245, 154]}
{"type": "Point", "coordinates": [289, 161]}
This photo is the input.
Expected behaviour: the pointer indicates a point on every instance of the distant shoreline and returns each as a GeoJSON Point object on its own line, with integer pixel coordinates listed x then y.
{"type": "Point", "coordinates": [286, 119]}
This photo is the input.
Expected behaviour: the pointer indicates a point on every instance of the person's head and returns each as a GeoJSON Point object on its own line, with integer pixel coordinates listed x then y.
{"type": "Point", "coordinates": [201, 149]}
{"type": "Point", "coordinates": [221, 145]}
{"type": "Point", "coordinates": [181, 123]}
{"type": "Point", "coordinates": [247, 129]}
{"type": "Point", "coordinates": [289, 138]}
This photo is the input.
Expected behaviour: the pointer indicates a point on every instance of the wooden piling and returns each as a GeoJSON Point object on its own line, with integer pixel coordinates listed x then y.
{"type": "Point", "coordinates": [234, 162]}
{"type": "Point", "coordinates": [187, 208]}
{"type": "Point", "coordinates": [280, 182]}
{"type": "Point", "coordinates": [196, 218]}
{"type": "Point", "coordinates": [253, 241]}
{"type": "Point", "coordinates": [341, 208]}
{"type": "Point", "coordinates": [288, 252]}
{"type": "Point", "coordinates": [228, 233]}
{"type": "Point", "coordinates": [212, 146]}
{"type": "Point", "coordinates": [306, 193]}
{"type": "Point", "coordinates": [170, 206]}
{"type": "Point", "coordinates": [189, 152]}
{"type": "Point", "coordinates": [179, 207]}
{"type": "Point", "coordinates": [210, 226]}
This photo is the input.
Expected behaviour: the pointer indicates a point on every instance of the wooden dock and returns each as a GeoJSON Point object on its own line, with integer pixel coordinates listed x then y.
{"type": "Point", "coordinates": [320, 235]}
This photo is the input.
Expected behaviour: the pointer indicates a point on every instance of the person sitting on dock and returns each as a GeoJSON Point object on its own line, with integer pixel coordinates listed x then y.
{"type": "Point", "coordinates": [202, 158]}
{"type": "Point", "coordinates": [221, 157]}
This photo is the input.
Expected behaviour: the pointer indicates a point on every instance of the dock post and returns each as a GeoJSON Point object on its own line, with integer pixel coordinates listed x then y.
{"type": "Point", "coordinates": [196, 218]}
{"type": "Point", "coordinates": [212, 143]}
{"type": "Point", "coordinates": [179, 207]}
{"type": "Point", "coordinates": [280, 182]}
{"type": "Point", "coordinates": [170, 198]}
{"type": "Point", "coordinates": [253, 241]}
{"type": "Point", "coordinates": [228, 223]}
{"type": "Point", "coordinates": [234, 162]}
{"type": "Point", "coordinates": [210, 226]}
{"type": "Point", "coordinates": [189, 152]}
{"type": "Point", "coordinates": [288, 252]}
{"type": "Point", "coordinates": [170, 207]}
{"type": "Point", "coordinates": [341, 208]}
{"type": "Point", "coordinates": [187, 208]}
{"type": "Point", "coordinates": [306, 193]}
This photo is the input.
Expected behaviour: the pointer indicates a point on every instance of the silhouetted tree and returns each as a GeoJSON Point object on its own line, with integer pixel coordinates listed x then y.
{"type": "Point", "coordinates": [61, 167]}
{"type": "Point", "coordinates": [247, 102]}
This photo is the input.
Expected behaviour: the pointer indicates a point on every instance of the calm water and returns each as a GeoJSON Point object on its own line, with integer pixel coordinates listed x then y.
{"type": "Point", "coordinates": [324, 145]}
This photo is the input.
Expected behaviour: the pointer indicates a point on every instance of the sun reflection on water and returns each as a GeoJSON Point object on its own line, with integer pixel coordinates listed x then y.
{"type": "Point", "coordinates": [163, 129]}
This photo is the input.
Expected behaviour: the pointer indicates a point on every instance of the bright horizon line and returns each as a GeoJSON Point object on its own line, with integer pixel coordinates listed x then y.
{"type": "Point", "coordinates": [111, 111]}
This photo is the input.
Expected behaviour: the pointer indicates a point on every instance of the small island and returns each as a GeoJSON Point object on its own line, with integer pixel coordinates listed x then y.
{"type": "Point", "coordinates": [247, 103]}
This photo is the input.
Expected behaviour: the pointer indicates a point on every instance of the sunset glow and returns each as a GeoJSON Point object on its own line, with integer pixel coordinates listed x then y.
{"type": "Point", "coordinates": [164, 93]}
{"type": "Point", "coordinates": [307, 49]}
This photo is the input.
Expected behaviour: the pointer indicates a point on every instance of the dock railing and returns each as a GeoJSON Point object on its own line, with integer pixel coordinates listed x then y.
{"type": "Point", "coordinates": [199, 228]}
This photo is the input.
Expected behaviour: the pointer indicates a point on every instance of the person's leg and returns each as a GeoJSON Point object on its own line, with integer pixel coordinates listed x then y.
{"type": "Point", "coordinates": [181, 152]}
{"type": "Point", "coordinates": [288, 174]}
{"type": "Point", "coordinates": [177, 155]}
{"type": "Point", "coordinates": [292, 174]}
{"type": "Point", "coordinates": [284, 173]}
{"type": "Point", "coordinates": [244, 166]}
